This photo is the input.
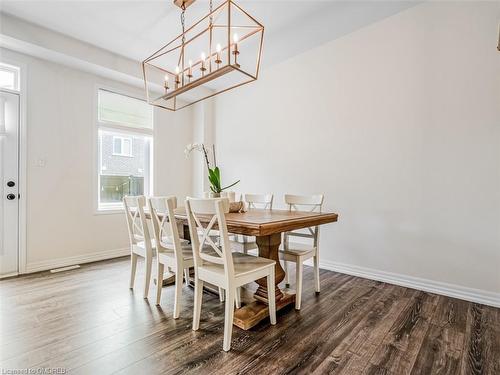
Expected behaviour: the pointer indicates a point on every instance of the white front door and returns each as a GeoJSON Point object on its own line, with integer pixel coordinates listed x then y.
{"type": "Point", "coordinates": [9, 178]}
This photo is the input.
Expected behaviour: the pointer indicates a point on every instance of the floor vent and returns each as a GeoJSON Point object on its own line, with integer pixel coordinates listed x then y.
{"type": "Point", "coordinates": [62, 269]}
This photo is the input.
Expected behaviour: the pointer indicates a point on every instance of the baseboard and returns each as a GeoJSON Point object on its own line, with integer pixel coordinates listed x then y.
{"type": "Point", "coordinates": [79, 259]}
{"type": "Point", "coordinates": [6, 275]}
{"type": "Point", "coordinates": [450, 290]}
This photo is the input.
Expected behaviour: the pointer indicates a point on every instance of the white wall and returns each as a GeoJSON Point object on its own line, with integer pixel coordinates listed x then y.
{"type": "Point", "coordinates": [203, 132]}
{"type": "Point", "coordinates": [398, 124]}
{"type": "Point", "coordinates": [62, 227]}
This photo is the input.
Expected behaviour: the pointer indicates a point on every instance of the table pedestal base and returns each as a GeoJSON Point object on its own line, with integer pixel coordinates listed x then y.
{"type": "Point", "coordinates": [249, 315]}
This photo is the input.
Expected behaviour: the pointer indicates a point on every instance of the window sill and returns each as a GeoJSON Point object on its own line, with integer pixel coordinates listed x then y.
{"type": "Point", "coordinates": [123, 155]}
{"type": "Point", "coordinates": [109, 211]}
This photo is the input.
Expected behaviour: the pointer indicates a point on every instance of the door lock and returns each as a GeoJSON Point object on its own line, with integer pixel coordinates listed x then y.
{"type": "Point", "coordinates": [11, 197]}
{"type": "Point", "coordinates": [11, 184]}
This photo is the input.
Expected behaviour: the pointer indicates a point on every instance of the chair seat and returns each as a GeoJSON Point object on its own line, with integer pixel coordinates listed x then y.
{"type": "Point", "coordinates": [212, 233]}
{"type": "Point", "coordinates": [241, 238]}
{"type": "Point", "coordinates": [164, 239]}
{"type": "Point", "coordinates": [243, 264]}
{"type": "Point", "coordinates": [165, 242]}
{"type": "Point", "coordinates": [187, 253]}
{"type": "Point", "coordinates": [298, 249]}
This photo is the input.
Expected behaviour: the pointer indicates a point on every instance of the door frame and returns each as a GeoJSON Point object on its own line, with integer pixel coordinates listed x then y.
{"type": "Point", "coordinates": [23, 161]}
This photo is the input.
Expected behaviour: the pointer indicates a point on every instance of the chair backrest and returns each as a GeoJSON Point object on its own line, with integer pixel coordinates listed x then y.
{"type": "Point", "coordinates": [205, 250]}
{"type": "Point", "coordinates": [231, 195]}
{"type": "Point", "coordinates": [264, 201]}
{"type": "Point", "coordinates": [311, 203]}
{"type": "Point", "coordinates": [136, 220]}
{"type": "Point", "coordinates": [165, 224]}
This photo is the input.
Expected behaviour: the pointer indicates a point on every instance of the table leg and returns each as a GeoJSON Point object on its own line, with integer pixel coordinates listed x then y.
{"type": "Point", "coordinates": [252, 313]}
{"type": "Point", "coordinates": [268, 248]}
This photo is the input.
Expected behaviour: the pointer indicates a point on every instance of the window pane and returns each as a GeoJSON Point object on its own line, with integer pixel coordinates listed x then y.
{"type": "Point", "coordinates": [124, 110]}
{"type": "Point", "coordinates": [117, 146]}
{"type": "Point", "coordinates": [126, 147]}
{"type": "Point", "coordinates": [9, 77]}
{"type": "Point", "coordinates": [119, 175]}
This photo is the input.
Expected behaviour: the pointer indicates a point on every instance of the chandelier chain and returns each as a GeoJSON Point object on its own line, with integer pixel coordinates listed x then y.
{"type": "Point", "coordinates": [183, 22]}
{"type": "Point", "coordinates": [211, 9]}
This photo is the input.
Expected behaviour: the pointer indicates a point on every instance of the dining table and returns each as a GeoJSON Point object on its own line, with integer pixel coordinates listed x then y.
{"type": "Point", "coordinates": [267, 226]}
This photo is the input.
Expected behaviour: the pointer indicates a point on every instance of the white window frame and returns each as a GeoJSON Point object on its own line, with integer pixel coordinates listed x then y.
{"type": "Point", "coordinates": [16, 71]}
{"type": "Point", "coordinates": [122, 139]}
{"type": "Point", "coordinates": [117, 208]}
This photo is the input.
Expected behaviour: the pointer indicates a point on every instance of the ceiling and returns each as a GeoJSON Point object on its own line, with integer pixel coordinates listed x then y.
{"type": "Point", "coordinates": [137, 28]}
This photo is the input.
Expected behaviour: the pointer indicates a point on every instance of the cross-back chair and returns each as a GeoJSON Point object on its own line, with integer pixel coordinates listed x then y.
{"type": "Point", "coordinates": [171, 250]}
{"type": "Point", "coordinates": [217, 265]}
{"type": "Point", "coordinates": [140, 239]}
{"type": "Point", "coordinates": [254, 201]}
{"type": "Point", "coordinates": [300, 252]}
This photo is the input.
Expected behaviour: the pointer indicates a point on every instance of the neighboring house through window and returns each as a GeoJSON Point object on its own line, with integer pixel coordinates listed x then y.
{"type": "Point", "coordinates": [125, 128]}
{"type": "Point", "coordinates": [122, 146]}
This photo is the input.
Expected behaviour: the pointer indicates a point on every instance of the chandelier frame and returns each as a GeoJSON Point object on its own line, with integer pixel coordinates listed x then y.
{"type": "Point", "coordinates": [168, 98]}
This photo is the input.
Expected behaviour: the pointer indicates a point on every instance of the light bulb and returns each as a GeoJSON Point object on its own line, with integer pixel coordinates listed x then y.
{"type": "Point", "coordinates": [190, 64]}
{"type": "Point", "coordinates": [177, 70]}
{"type": "Point", "coordinates": [166, 77]}
{"type": "Point", "coordinates": [218, 47]}
{"type": "Point", "coordinates": [203, 56]}
{"type": "Point", "coordinates": [235, 38]}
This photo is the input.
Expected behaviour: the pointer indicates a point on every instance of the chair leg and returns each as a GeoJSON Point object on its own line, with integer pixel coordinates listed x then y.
{"type": "Point", "coordinates": [133, 268]}
{"type": "Point", "coordinates": [178, 292]}
{"type": "Point", "coordinates": [221, 294]}
{"type": "Point", "coordinates": [149, 264]}
{"type": "Point", "coordinates": [228, 318]}
{"type": "Point", "coordinates": [316, 274]}
{"type": "Point", "coordinates": [271, 300]}
{"type": "Point", "coordinates": [159, 282]}
{"type": "Point", "coordinates": [298, 282]}
{"type": "Point", "coordinates": [237, 298]}
{"type": "Point", "coordinates": [287, 279]}
{"type": "Point", "coordinates": [186, 275]}
{"type": "Point", "coordinates": [198, 295]}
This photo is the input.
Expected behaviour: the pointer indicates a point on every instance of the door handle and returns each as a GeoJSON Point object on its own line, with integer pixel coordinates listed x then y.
{"type": "Point", "coordinates": [11, 197]}
{"type": "Point", "coordinates": [11, 184]}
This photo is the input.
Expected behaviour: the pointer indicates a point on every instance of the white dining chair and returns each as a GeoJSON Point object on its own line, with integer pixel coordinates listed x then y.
{"type": "Point", "coordinates": [217, 265]}
{"type": "Point", "coordinates": [214, 234]}
{"type": "Point", "coordinates": [244, 243]}
{"type": "Point", "coordinates": [299, 252]}
{"type": "Point", "coordinates": [231, 195]}
{"type": "Point", "coordinates": [141, 243]}
{"type": "Point", "coordinates": [171, 250]}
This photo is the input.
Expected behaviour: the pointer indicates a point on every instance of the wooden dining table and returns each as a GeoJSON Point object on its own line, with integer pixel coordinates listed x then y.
{"type": "Point", "coordinates": [267, 226]}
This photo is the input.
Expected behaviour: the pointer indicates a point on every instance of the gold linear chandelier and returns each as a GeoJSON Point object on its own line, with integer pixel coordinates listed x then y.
{"type": "Point", "coordinates": [219, 52]}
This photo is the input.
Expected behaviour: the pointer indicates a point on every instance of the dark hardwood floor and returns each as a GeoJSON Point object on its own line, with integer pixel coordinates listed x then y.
{"type": "Point", "coordinates": [87, 321]}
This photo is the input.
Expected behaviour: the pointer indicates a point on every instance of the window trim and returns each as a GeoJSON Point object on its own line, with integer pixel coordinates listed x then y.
{"type": "Point", "coordinates": [120, 124]}
{"type": "Point", "coordinates": [17, 76]}
{"type": "Point", "coordinates": [122, 139]}
{"type": "Point", "coordinates": [121, 128]}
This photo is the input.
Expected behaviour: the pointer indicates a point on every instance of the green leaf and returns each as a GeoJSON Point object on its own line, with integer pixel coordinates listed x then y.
{"type": "Point", "coordinates": [214, 179]}
{"type": "Point", "coordinates": [217, 175]}
{"type": "Point", "coordinates": [211, 175]}
{"type": "Point", "coordinates": [212, 182]}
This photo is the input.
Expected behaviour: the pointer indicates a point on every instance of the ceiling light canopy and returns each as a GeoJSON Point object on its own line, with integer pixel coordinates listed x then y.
{"type": "Point", "coordinates": [219, 52]}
